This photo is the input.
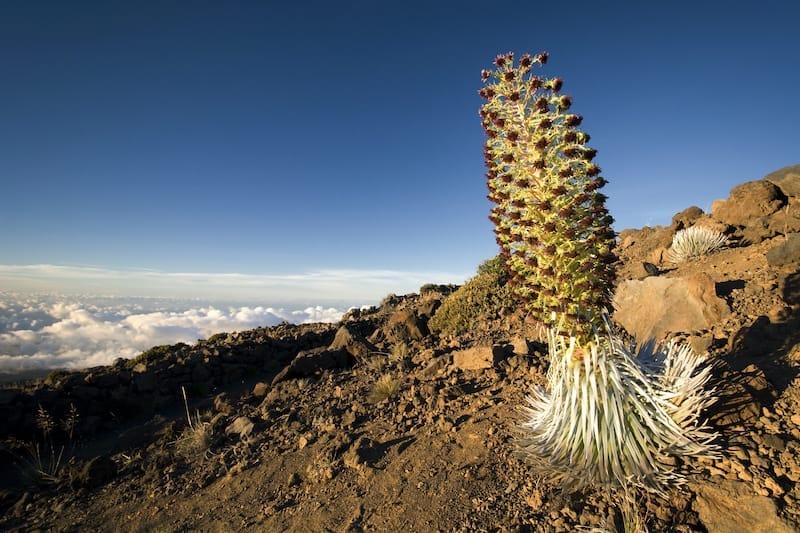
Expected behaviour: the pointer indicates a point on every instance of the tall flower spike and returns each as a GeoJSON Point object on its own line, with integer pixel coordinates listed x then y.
{"type": "Point", "coordinates": [609, 417]}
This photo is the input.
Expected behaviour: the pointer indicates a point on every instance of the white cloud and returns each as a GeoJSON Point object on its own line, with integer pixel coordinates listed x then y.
{"type": "Point", "coordinates": [44, 332]}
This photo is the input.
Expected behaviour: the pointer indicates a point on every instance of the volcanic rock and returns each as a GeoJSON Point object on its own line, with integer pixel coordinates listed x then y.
{"type": "Point", "coordinates": [747, 202]}
{"type": "Point", "coordinates": [787, 179]}
{"type": "Point", "coordinates": [309, 362]}
{"type": "Point", "coordinates": [406, 325]}
{"type": "Point", "coordinates": [730, 507]}
{"type": "Point", "coordinates": [653, 307]}
{"type": "Point", "coordinates": [481, 357]}
{"type": "Point", "coordinates": [349, 340]}
{"type": "Point", "coordinates": [787, 253]}
{"type": "Point", "coordinates": [686, 218]}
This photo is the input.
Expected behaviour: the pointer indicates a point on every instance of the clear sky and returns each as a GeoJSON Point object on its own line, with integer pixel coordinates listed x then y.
{"type": "Point", "coordinates": [260, 147]}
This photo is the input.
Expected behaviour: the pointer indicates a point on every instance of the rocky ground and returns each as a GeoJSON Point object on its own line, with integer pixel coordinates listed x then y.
{"type": "Point", "coordinates": [378, 424]}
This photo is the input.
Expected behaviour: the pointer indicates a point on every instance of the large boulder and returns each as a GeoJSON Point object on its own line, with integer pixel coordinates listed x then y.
{"type": "Point", "coordinates": [787, 180]}
{"type": "Point", "coordinates": [654, 307]}
{"type": "Point", "coordinates": [310, 362]}
{"type": "Point", "coordinates": [786, 253]}
{"type": "Point", "coordinates": [747, 202]}
{"type": "Point", "coordinates": [687, 217]}
{"type": "Point", "coordinates": [731, 507]}
{"type": "Point", "coordinates": [480, 357]}
{"type": "Point", "coordinates": [405, 325]}
{"type": "Point", "coordinates": [351, 341]}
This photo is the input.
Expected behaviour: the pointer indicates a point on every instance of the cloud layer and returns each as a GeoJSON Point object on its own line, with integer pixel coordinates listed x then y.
{"type": "Point", "coordinates": [45, 332]}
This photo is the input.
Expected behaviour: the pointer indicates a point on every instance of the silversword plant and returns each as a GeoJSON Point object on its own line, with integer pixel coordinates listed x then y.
{"type": "Point", "coordinates": [610, 415]}
{"type": "Point", "coordinates": [695, 242]}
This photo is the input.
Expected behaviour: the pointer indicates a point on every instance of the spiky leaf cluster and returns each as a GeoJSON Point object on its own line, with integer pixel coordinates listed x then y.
{"type": "Point", "coordinates": [549, 214]}
{"type": "Point", "coordinates": [694, 243]}
{"type": "Point", "coordinates": [615, 419]}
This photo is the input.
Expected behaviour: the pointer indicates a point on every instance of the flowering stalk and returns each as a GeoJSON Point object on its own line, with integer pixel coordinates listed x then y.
{"type": "Point", "coordinates": [550, 217]}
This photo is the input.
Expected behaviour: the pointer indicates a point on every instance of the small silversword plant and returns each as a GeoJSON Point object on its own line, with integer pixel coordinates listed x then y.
{"type": "Point", "coordinates": [694, 243]}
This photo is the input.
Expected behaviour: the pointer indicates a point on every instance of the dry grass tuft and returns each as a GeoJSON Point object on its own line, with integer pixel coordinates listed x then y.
{"type": "Point", "coordinates": [384, 388]}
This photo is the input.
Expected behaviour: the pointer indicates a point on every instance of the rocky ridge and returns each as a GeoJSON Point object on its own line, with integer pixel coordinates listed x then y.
{"type": "Point", "coordinates": [377, 424]}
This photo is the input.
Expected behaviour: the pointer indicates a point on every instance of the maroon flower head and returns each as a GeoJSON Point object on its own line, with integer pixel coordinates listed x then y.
{"type": "Point", "coordinates": [556, 84]}
{"type": "Point", "coordinates": [580, 198]}
{"type": "Point", "coordinates": [485, 75]}
{"type": "Point", "coordinates": [570, 152]}
{"type": "Point", "coordinates": [486, 92]}
{"type": "Point", "coordinates": [508, 158]}
{"type": "Point", "coordinates": [566, 172]}
{"type": "Point", "coordinates": [514, 96]}
{"type": "Point", "coordinates": [592, 171]}
{"type": "Point", "coordinates": [525, 61]}
{"type": "Point", "coordinates": [566, 212]}
{"type": "Point", "coordinates": [508, 76]}
{"type": "Point", "coordinates": [570, 136]}
{"type": "Point", "coordinates": [512, 136]}
{"type": "Point", "coordinates": [564, 103]}
{"type": "Point", "coordinates": [573, 120]}
{"type": "Point", "coordinates": [542, 58]}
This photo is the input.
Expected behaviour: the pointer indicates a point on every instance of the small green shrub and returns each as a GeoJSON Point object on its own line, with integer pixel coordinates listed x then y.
{"type": "Point", "coordinates": [493, 266]}
{"type": "Point", "coordinates": [156, 353]}
{"type": "Point", "coordinates": [217, 338]}
{"type": "Point", "coordinates": [481, 298]}
{"type": "Point", "coordinates": [55, 376]}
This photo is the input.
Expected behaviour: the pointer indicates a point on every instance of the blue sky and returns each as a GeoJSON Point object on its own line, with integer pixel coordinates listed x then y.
{"type": "Point", "coordinates": [291, 142]}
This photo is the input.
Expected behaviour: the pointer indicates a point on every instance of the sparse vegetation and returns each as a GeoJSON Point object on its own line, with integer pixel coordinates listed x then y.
{"type": "Point", "coordinates": [42, 462]}
{"type": "Point", "coordinates": [156, 353]}
{"type": "Point", "coordinates": [485, 296]}
{"type": "Point", "coordinates": [197, 436]}
{"type": "Point", "coordinates": [695, 242]}
{"type": "Point", "coordinates": [384, 388]}
{"type": "Point", "coordinates": [55, 376]}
